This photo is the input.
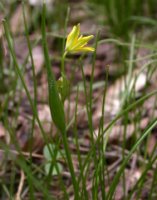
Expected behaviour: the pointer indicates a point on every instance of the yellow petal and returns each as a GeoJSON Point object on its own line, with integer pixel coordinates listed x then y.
{"type": "Point", "coordinates": [76, 43]}
{"type": "Point", "coordinates": [86, 38]}
{"type": "Point", "coordinates": [85, 49]}
{"type": "Point", "coordinates": [70, 35]}
{"type": "Point", "coordinates": [73, 36]}
{"type": "Point", "coordinates": [82, 41]}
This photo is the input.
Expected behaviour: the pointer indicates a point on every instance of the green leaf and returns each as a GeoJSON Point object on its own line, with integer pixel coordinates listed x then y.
{"type": "Point", "coordinates": [56, 106]}
{"type": "Point", "coordinates": [48, 158]}
{"type": "Point", "coordinates": [54, 171]}
{"type": "Point", "coordinates": [47, 154]}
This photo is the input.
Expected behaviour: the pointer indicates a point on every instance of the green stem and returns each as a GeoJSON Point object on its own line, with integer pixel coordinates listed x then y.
{"type": "Point", "coordinates": [54, 100]}
{"type": "Point", "coordinates": [63, 63]}
{"type": "Point", "coordinates": [34, 80]}
{"type": "Point", "coordinates": [71, 167]}
{"type": "Point", "coordinates": [65, 140]}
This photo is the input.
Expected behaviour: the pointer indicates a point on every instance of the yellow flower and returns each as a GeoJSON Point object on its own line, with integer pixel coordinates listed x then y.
{"type": "Point", "coordinates": [76, 42]}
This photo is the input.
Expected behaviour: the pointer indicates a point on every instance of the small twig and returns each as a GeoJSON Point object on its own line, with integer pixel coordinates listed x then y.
{"type": "Point", "coordinates": [24, 153]}
{"type": "Point", "coordinates": [22, 179]}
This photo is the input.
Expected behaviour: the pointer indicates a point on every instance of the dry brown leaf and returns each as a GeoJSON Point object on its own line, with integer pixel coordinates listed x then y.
{"type": "Point", "coordinates": [38, 59]}
{"type": "Point", "coordinates": [117, 133]}
{"type": "Point", "coordinates": [142, 52]}
{"type": "Point", "coordinates": [114, 94]}
{"type": "Point", "coordinates": [17, 22]}
{"type": "Point", "coordinates": [2, 131]}
{"type": "Point", "coordinates": [131, 178]}
{"type": "Point", "coordinates": [40, 2]}
{"type": "Point", "coordinates": [82, 119]}
{"type": "Point", "coordinates": [21, 49]}
{"type": "Point", "coordinates": [1, 30]}
{"type": "Point", "coordinates": [45, 116]}
{"type": "Point", "coordinates": [151, 144]}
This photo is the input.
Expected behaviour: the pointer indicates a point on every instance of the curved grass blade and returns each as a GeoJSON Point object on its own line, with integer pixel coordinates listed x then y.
{"type": "Point", "coordinates": [117, 176]}
{"type": "Point", "coordinates": [130, 107]}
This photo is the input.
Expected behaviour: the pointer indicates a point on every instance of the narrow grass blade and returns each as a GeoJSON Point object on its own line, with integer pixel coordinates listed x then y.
{"type": "Point", "coordinates": [117, 176]}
